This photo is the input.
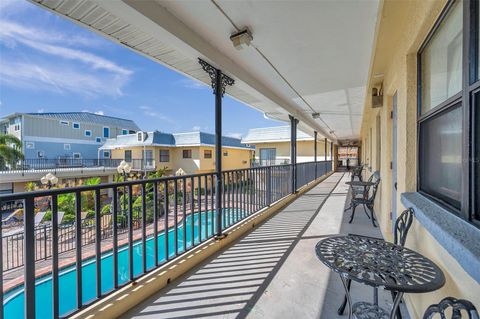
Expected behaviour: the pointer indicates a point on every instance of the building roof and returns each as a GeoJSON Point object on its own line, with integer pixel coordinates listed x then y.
{"type": "Point", "coordinates": [172, 140]}
{"type": "Point", "coordinates": [84, 117]}
{"type": "Point", "coordinates": [273, 134]}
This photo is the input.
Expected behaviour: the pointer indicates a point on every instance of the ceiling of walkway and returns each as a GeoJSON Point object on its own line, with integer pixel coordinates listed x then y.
{"type": "Point", "coordinates": [305, 57]}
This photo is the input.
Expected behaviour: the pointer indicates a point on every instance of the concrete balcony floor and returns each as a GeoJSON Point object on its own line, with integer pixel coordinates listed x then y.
{"type": "Point", "coordinates": [272, 272]}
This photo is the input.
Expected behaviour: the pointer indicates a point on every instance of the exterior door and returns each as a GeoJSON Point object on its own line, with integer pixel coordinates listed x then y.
{"type": "Point", "coordinates": [394, 158]}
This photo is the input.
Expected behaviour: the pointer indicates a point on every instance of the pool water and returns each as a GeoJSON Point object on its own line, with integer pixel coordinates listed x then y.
{"type": "Point", "coordinates": [14, 300]}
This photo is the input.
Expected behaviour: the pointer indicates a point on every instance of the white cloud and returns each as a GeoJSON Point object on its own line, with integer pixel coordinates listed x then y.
{"type": "Point", "coordinates": [57, 67]}
{"type": "Point", "coordinates": [234, 135]}
{"type": "Point", "coordinates": [192, 84]}
{"type": "Point", "coordinates": [196, 128]}
{"type": "Point", "coordinates": [99, 112]}
{"type": "Point", "coordinates": [41, 110]}
{"type": "Point", "coordinates": [149, 111]}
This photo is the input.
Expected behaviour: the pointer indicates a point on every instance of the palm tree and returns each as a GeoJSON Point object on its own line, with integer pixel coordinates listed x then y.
{"type": "Point", "coordinates": [10, 150]}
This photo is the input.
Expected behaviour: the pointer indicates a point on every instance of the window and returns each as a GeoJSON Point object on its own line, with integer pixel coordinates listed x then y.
{"type": "Point", "coordinates": [76, 125]}
{"type": "Point", "coordinates": [64, 123]}
{"type": "Point", "coordinates": [225, 153]}
{"type": "Point", "coordinates": [106, 154]}
{"type": "Point", "coordinates": [124, 132]}
{"type": "Point", "coordinates": [140, 136]}
{"type": "Point", "coordinates": [16, 127]}
{"type": "Point", "coordinates": [66, 147]}
{"type": "Point", "coordinates": [448, 131]}
{"type": "Point", "coordinates": [30, 145]}
{"type": "Point", "coordinates": [164, 156]}
{"type": "Point", "coordinates": [40, 154]}
{"type": "Point", "coordinates": [207, 154]}
{"type": "Point", "coordinates": [128, 155]}
{"type": "Point", "coordinates": [98, 139]}
{"type": "Point", "coordinates": [77, 155]}
{"type": "Point", "coordinates": [88, 133]}
{"type": "Point", "coordinates": [187, 153]}
{"type": "Point", "coordinates": [106, 132]}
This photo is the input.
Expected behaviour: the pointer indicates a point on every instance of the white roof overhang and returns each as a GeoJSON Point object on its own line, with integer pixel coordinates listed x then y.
{"type": "Point", "coordinates": [306, 56]}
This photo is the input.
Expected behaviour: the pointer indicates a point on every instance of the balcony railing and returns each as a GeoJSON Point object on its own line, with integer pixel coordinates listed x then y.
{"type": "Point", "coordinates": [269, 162]}
{"type": "Point", "coordinates": [136, 227]}
{"type": "Point", "coordinates": [45, 164]}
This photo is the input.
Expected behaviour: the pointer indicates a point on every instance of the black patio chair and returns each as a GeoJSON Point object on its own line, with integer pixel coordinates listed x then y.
{"type": "Point", "coordinates": [457, 306]}
{"type": "Point", "coordinates": [401, 227]}
{"type": "Point", "coordinates": [356, 172]}
{"type": "Point", "coordinates": [367, 199]}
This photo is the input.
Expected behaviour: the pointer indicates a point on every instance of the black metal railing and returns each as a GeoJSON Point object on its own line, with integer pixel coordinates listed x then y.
{"type": "Point", "coordinates": [46, 164]}
{"type": "Point", "coordinates": [136, 226]}
{"type": "Point", "coordinates": [269, 162]}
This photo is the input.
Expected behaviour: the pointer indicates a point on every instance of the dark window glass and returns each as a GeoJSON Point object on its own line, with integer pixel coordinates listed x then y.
{"type": "Point", "coordinates": [476, 158]}
{"type": "Point", "coordinates": [164, 156]}
{"type": "Point", "coordinates": [441, 156]}
{"type": "Point", "coordinates": [187, 153]}
{"type": "Point", "coordinates": [207, 154]}
{"type": "Point", "coordinates": [106, 132]}
{"type": "Point", "coordinates": [128, 156]}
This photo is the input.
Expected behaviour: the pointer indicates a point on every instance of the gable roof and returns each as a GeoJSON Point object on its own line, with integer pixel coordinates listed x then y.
{"type": "Point", "coordinates": [273, 134]}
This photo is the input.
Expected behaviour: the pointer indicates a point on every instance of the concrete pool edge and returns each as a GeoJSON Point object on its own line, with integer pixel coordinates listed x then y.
{"type": "Point", "coordinates": [119, 302]}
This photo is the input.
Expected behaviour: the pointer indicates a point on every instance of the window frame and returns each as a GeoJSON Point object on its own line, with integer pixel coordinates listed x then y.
{"type": "Point", "coordinates": [87, 135]}
{"type": "Point", "coordinates": [466, 97]}
{"type": "Point", "coordinates": [106, 152]}
{"type": "Point", "coordinates": [98, 139]}
{"type": "Point", "coordinates": [65, 123]}
{"type": "Point", "coordinates": [189, 151]}
{"type": "Point", "coordinates": [30, 145]}
{"type": "Point", "coordinates": [75, 123]}
{"type": "Point", "coordinates": [129, 160]}
{"type": "Point", "coordinates": [161, 157]}
{"type": "Point", "coordinates": [67, 147]}
{"type": "Point", "coordinates": [76, 155]}
{"type": "Point", "coordinates": [210, 152]}
{"type": "Point", "coordinates": [103, 132]}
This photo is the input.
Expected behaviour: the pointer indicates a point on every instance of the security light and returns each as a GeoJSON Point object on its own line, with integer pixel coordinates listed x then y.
{"type": "Point", "coordinates": [241, 39]}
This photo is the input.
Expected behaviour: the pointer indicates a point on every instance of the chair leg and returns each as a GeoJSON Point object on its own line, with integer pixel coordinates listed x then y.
{"type": "Point", "coordinates": [353, 213]}
{"type": "Point", "coordinates": [341, 310]}
{"type": "Point", "coordinates": [398, 314]}
{"type": "Point", "coordinates": [372, 216]}
{"type": "Point", "coordinates": [366, 211]}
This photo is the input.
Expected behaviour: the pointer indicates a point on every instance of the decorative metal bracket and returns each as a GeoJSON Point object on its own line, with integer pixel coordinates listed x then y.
{"type": "Point", "coordinates": [212, 72]}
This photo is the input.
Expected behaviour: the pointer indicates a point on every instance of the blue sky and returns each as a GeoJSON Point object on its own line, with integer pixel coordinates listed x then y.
{"type": "Point", "coordinates": [49, 64]}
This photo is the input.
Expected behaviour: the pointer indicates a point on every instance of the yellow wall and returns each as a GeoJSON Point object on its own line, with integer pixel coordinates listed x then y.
{"type": "Point", "coordinates": [403, 27]}
{"type": "Point", "coordinates": [305, 150]}
{"type": "Point", "coordinates": [236, 158]}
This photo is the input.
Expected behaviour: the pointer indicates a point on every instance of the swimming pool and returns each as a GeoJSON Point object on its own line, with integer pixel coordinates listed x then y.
{"type": "Point", "coordinates": [14, 300]}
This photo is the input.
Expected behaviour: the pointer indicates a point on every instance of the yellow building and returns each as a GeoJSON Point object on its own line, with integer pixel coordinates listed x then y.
{"type": "Point", "coordinates": [272, 146]}
{"type": "Point", "coordinates": [420, 136]}
{"type": "Point", "coordinates": [193, 152]}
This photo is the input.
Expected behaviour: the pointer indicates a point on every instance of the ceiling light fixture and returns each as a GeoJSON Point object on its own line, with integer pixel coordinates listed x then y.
{"type": "Point", "coordinates": [316, 115]}
{"type": "Point", "coordinates": [241, 39]}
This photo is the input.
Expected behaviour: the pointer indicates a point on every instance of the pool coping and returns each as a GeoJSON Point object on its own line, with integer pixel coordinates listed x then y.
{"type": "Point", "coordinates": [120, 301]}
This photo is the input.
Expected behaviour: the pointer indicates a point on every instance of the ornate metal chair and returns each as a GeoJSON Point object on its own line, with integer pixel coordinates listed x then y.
{"type": "Point", "coordinates": [367, 199]}
{"type": "Point", "coordinates": [401, 227]}
{"type": "Point", "coordinates": [456, 305]}
{"type": "Point", "coordinates": [357, 172]}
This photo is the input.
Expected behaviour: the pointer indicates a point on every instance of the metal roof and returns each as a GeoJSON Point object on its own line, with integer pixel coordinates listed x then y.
{"type": "Point", "coordinates": [87, 117]}
{"type": "Point", "coordinates": [172, 140]}
{"type": "Point", "coordinates": [272, 134]}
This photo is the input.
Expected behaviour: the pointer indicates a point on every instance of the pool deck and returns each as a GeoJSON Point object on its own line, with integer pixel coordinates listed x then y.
{"type": "Point", "coordinates": [272, 272]}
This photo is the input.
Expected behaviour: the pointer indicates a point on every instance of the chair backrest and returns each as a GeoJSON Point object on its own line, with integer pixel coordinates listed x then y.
{"type": "Point", "coordinates": [456, 305]}
{"type": "Point", "coordinates": [376, 179]}
{"type": "Point", "coordinates": [402, 226]}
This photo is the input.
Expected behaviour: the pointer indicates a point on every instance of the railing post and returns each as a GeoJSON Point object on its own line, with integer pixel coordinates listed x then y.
{"type": "Point", "coordinates": [315, 151]}
{"type": "Point", "coordinates": [269, 185]}
{"type": "Point", "coordinates": [29, 261]}
{"type": "Point", "coordinates": [293, 151]}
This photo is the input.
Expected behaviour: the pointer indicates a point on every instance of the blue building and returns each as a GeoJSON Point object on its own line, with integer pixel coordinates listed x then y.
{"type": "Point", "coordinates": [76, 135]}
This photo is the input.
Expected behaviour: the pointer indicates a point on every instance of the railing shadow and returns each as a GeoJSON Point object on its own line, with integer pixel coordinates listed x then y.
{"type": "Point", "coordinates": [229, 284]}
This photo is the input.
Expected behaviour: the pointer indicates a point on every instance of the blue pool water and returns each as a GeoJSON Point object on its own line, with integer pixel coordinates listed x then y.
{"type": "Point", "coordinates": [14, 300]}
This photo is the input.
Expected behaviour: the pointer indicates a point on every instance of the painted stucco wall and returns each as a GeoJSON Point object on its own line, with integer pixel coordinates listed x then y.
{"type": "Point", "coordinates": [305, 150]}
{"type": "Point", "coordinates": [403, 28]}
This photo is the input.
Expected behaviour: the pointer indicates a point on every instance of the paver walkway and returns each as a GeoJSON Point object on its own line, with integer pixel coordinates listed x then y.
{"type": "Point", "coordinates": [273, 271]}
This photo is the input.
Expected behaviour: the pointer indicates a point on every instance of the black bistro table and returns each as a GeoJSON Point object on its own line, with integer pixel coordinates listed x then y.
{"type": "Point", "coordinates": [360, 183]}
{"type": "Point", "coordinates": [377, 263]}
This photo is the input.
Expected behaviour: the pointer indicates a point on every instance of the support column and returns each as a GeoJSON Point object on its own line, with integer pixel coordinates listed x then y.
{"type": "Point", "coordinates": [326, 149]}
{"type": "Point", "coordinates": [219, 82]}
{"type": "Point", "coordinates": [293, 151]}
{"type": "Point", "coordinates": [315, 151]}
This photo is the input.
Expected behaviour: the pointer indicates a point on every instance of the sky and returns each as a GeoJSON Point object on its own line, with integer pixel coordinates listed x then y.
{"type": "Point", "coordinates": [49, 64]}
